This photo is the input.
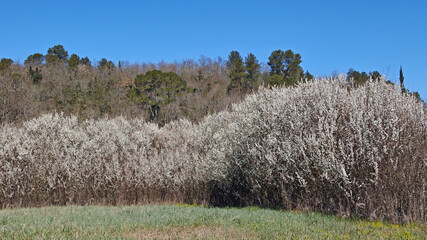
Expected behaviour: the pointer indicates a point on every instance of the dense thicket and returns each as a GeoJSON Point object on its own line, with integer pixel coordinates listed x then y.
{"type": "Point", "coordinates": [322, 145]}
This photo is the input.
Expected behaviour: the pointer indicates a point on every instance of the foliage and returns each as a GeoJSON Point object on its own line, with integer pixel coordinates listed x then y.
{"type": "Point", "coordinates": [56, 53]}
{"type": "Point", "coordinates": [275, 80]}
{"type": "Point", "coordinates": [36, 76]}
{"type": "Point", "coordinates": [375, 75]}
{"type": "Point", "coordinates": [5, 63]}
{"type": "Point", "coordinates": [89, 100]}
{"type": "Point", "coordinates": [105, 64]}
{"type": "Point", "coordinates": [401, 80]}
{"type": "Point", "coordinates": [360, 78]}
{"type": "Point", "coordinates": [357, 77]}
{"type": "Point", "coordinates": [237, 70]}
{"type": "Point", "coordinates": [85, 61]}
{"type": "Point", "coordinates": [293, 71]}
{"type": "Point", "coordinates": [417, 96]}
{"type": "Point", "coordinates": [70, 91]}
{"type": "Point", "coordinates": [35, 59]}
{"type": "Point", "coordinates": [287, 66]}
{"type": "Point", "coordinates": [156, 89]}
{"type": "Point", "coordinates": [253, 71]}
{"type": "Point", "coordinates": [320, 146]}
{"type": "Point", "coordinates": [74, 61]}
{"type": "Point", "coordinates": [51, 59]}
{"type": "Point", "coordinates": [67, 89]}
{"type": "Point", "coordinates": [276, 62]}
{"type": "Point", "coordinates": [308, 76]}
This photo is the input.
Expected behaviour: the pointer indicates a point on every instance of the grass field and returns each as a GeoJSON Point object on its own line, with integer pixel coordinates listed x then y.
{"type": "Point", "coordinates": [190, 222]}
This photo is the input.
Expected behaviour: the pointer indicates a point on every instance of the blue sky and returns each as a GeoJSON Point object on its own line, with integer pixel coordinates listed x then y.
{"type": "Point", "coordinates": [329, 35]}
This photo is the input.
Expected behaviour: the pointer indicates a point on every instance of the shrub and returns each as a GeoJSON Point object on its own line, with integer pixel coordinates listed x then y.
{"type": "Point", "coordinates": [318, 146]}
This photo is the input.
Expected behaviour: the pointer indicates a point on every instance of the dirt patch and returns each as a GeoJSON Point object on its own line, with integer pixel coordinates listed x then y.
{"type": "Point", "coordinates": [199, 232]}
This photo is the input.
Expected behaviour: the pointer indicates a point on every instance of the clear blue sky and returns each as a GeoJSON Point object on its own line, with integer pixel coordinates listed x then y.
{"type": "Point", "coordinates": [329, 35]}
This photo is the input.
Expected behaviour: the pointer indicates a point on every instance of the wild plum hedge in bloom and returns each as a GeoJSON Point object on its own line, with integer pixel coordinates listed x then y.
{"type": "Point", "coordinates": [322, 145]}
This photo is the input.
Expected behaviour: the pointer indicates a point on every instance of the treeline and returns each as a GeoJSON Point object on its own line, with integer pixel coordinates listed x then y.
{"type": "Point", "coordinates": [162, 92]}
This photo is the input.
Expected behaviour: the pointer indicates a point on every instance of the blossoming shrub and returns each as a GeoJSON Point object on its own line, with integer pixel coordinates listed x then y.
{"type": "Point", "coordinates": [320, 146]}
{"type": "Point", "coordinates": [323, 146]}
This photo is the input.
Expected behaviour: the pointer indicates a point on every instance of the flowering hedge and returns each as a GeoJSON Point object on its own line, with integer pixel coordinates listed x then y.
{"type": "Point", "coordinates": [321, 146]}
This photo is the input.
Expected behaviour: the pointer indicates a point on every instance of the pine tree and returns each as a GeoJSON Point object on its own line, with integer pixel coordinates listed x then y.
{"type": "Point", "coordinates": [74, 61]}
{"type": "Point", "coordinates": [252, 72]}
{"type": "Point", "coordinates": [293, 71]}
{"type": "Point", "coordinates": [85, 61]}
{"type": "Point", "coordinates": [276, 62]}
{"type": "Point", "coordinates": [237, 70]}
{"type": "Point", "coordinates": [308, 76]}
{"type": "Point", "coordinates": [56, 54]}
{"type": "Point", "coordinates": [285, 65]}
{"type": "Point", "coordinates": [35, 59]}
{"type": "Point", "coordinates": [105, 64]}
{"type": "Point", "coordinates": [156, 89]}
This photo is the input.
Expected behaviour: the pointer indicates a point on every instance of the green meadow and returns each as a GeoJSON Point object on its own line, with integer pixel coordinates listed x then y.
{"type": "Point", "coordinates": [190, 222]}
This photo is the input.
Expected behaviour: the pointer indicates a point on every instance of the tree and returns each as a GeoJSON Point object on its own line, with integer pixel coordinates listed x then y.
{"type": "Point", "coordinates": [252, 71]}
{"type": "Point", "coordinates": [51, 59]}
{"type": "Point", "coordinates": [293, 71]}
{"type": "Point", "coordinates": [417, 96]}
{"type": "Point", "coordinates": [237, 70]}
{"type": "Point", "coordinates": [74, 61]}
{"type": "Point", "coordinates": [5, 63]}
{"type": "Point", "coordinates": [401, 79]}
{"type": "Point", "coordinates": [375, 75]}
{"type": "Point", "coordinates": [156, 89]}
{"type": "Point", "coordinates": [285, 65]}
{"type": "Point", "coordinates": [308, 76]}
{"type": "Point", "coordinates": [35, 59]}
{"type": "Point", "coordinates": [275, 80]}
{"type": "Point", "coordinates": [105, 64]}
{"type": "Point", "coordinates": [357, 77]}
{"type": "Point", "coordinates": [85, 61]}
{"type": "Point", "coordinates": [58, 51]}
{"type": "Point", "coordinates": [36, 75]}
{"type": "Point", "coordinates": [276, 62]}
{"type": "Point", "coordinates": [56, 54]}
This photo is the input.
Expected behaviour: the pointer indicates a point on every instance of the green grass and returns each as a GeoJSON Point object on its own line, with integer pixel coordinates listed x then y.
{"type": "Point", "coordinates": [190, 222]}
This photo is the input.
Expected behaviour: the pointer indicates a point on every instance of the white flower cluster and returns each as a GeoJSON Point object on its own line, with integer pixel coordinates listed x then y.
{"type": "Point", "coordinates": [321, 145]}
